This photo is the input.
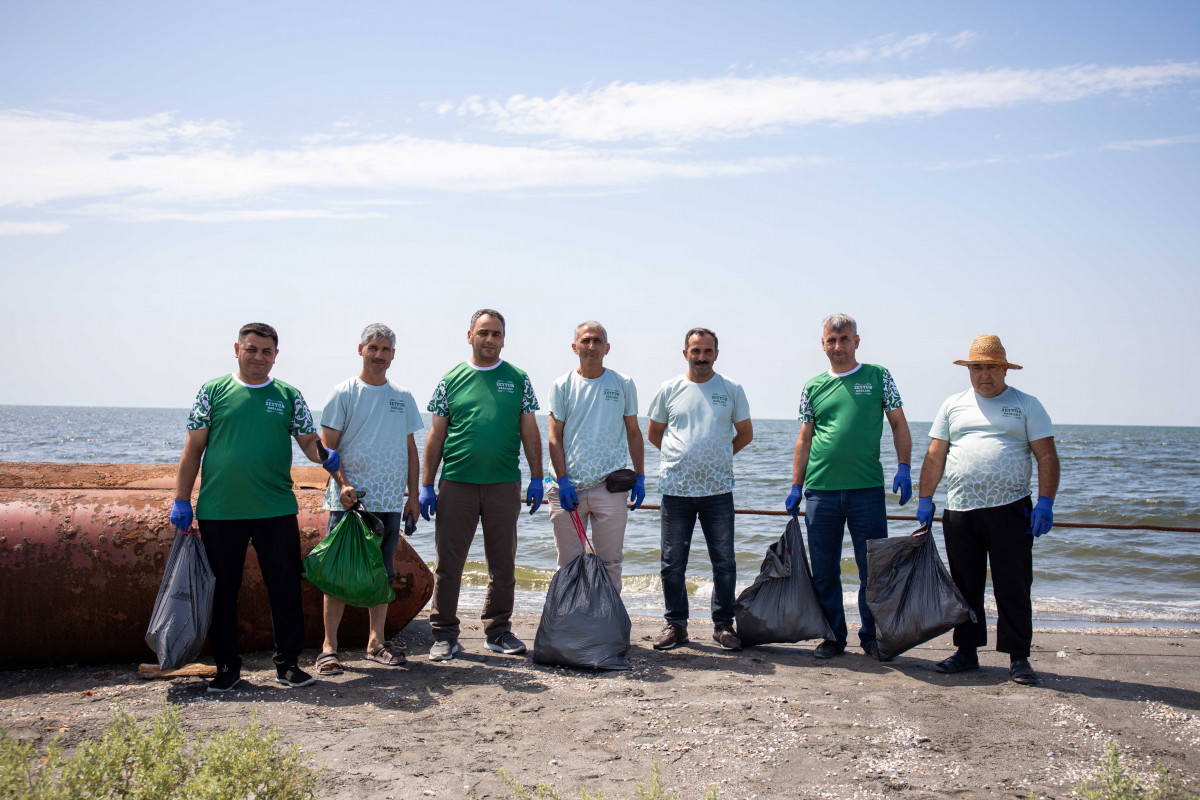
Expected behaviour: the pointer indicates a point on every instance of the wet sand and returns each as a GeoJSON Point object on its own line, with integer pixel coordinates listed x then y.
{"type": "Point", "coordinates": [768, 722]}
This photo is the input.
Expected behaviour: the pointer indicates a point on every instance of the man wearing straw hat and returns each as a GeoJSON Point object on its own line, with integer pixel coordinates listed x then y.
{"type": "Point", "coordinates": [982, 440]}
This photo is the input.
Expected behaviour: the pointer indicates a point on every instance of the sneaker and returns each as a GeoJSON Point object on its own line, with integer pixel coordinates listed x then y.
{"type": "Point", "coordinates": [293, 677]}
{"type": "Point", "coordinates": [871, 648]}
{"type": "Point", "coordinates": [227, 678]}
{"type": "Point", "coordinates": [444, 650]}
{"type": "Point", "coordinates": [505, 643]}
{"type": "Point", "coordinates": [1022, 673]}
{"type": "Point", "coordinates": [724, 636]}
{"type": "Point", "coordinates": [671, 637]}
{"type": "Point", "coordinates": [828, 649]}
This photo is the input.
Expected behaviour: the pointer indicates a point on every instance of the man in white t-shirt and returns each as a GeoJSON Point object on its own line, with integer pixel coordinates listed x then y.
{"type": "Point", "coordinates": [372, 422]}
{"type": "Point", "coordinates": [982, 440]}
{"type": "Point", "coordinates": [698, 421]}
{"type": "Point", "coordinates": [593, 433]}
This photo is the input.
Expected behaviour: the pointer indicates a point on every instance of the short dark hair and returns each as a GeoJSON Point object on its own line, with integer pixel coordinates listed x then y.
{"type": "Point", "coordinates": [699, 332]}
{"type": "Point", "coordinates": [487, 312]}
{"type": "Point", "coordinates": [259, 329]}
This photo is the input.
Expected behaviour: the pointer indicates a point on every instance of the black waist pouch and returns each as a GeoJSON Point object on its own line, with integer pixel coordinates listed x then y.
{"type": "Point", "coordinates": [620, 481]}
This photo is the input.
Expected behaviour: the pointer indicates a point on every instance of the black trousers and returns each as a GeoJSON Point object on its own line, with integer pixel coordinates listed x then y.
{"type": "Point", "coordinates": [277, 544]}
{"type": "Point", "coordinates": [1000, 535]}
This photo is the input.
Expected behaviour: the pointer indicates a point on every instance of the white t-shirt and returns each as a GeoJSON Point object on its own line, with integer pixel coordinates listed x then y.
{"type": "Point", "coordinates": [697, 447]}
{"type": "Point", "coordinates": [593, 412]}
{"type": "Point", "coordinates": [375, 422]}
{"type": "Point", "coordinates": [989, 463]}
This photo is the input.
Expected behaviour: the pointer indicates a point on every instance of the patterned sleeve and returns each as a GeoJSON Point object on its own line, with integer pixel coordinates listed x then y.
{"type": "Point", "coordinates": [201, 416]}
{"type": "Point", "coordinates": [439, 404]}
{"type": "Point", "coordinates": [529, 402]}
{"type": "Point", "coordinates": [302, 421]}
{"type": "Point", "coordinates": [891, 395]}
{"type": "Point", "coordinates": [806, 409]}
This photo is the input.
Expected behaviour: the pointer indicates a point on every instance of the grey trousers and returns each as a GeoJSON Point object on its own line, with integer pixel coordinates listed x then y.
{"type": "Point", "coordinates": [460, 509]}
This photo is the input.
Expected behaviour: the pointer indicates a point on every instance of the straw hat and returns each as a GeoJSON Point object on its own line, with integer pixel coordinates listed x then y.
{"type": "Point", "coordinates": [986, 349]}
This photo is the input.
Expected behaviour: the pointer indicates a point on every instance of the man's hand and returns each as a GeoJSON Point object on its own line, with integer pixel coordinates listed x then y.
{"type": "Point", "coordinates": [1042, 519]}
{"type": "Point", "coordinates": [412, 508]}
{"type": "Point", "coordinates": [567, 498]}
{"type": "Point", "coordinates": [332, 462]}
{"type": "Point", "coordinates": [925, 511]}
{"type": "Point", "coordinates": [348, 497]}
{"type": "Point", "coordinates": [792, 504]}
{"type": "Point", "coordinates": [533, 497]}
{"type": "Point", "coordinates": [427, 502]}
{"type": "Point", "coordinates": [181, 515]}
{"type": "Point", "coordinates": [902, 483]}
{"type": "Point", "coordinates": [638, 493]}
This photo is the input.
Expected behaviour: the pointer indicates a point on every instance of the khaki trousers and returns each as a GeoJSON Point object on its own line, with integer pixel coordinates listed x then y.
{"type": "Point", "coordinates": [607, 512]}
{"type": "Point", "coordinates": [460, 508]}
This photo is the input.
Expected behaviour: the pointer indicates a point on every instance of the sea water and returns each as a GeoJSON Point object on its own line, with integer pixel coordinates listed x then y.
{"type": "Point", "coordinates": [1110, 475]}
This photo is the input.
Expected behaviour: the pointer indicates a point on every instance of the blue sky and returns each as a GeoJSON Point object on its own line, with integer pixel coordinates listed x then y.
{"type": "Point", "coordinates": [168, 172]}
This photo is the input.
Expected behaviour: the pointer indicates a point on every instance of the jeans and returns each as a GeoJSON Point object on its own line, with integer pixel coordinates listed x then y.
{"type": "Point", "coordinates": [679, 515]}
{"type": "Point", "coordinates": [392, 521]}
{"type": "Point", "coordinates": [826, 515]}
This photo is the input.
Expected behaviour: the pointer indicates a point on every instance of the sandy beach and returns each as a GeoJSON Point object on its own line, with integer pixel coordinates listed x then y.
{"type": "Point", "coordinates": [770, 722]}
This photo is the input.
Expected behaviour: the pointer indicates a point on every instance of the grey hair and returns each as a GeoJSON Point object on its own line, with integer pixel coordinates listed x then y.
{"type": "Point", "coordinates": [488, 312]}
{"type": "Point", "coordinates": [838, 323]}
{"type": "Point", "coordinates": [377, 330]}
{"type": "Point", "coordinates": [588, 324]}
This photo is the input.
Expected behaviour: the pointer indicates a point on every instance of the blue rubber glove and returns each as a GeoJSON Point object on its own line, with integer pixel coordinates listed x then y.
{"type": "Point", "coordinates": [332, 462]}
{"type": "Point", "coordinates": [533, 497]}
{"type": "Point", "coordinates": [1043, 517]}
{"type": "Point", "coordinates": [428, 502]}
{"type": "Point", "coordinates": [181, 515]}
{"type": "Point", "coordinates": [792, 504]}
{"type": "Point", "coordinates": [567, 498]}
{"type": "Point", "coordinates": [902, 483]}
{"type": "Point", "coordinates": [638, 493]}
{"type": "Point", "coordinates": [925, 511]}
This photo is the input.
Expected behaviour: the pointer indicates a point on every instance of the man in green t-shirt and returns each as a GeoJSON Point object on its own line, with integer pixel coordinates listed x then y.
{"type": "Point", "coordinates": [482, 417]}
{"type": "Point", "coordinates": [239, 440]}
{"type": "Point", "coordinates": [836, 470]}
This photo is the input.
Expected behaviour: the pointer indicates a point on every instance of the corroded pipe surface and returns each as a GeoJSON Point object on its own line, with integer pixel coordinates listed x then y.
{"type": "Point", "coordinates": [80, 567]}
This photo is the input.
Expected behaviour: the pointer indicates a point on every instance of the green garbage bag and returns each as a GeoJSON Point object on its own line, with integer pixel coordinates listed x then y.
{"type": "Point", "coordinates": [348, 565]}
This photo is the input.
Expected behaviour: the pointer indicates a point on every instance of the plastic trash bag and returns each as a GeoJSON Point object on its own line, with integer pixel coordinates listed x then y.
{"type": "Point", "coordinates": [183, 608]}
{"type": "Point", "coordinates": [781, 605]}
{"type": "Point", "coordinates": [910, 593]}
{"type": "Point", "coordinates": [348, 564]}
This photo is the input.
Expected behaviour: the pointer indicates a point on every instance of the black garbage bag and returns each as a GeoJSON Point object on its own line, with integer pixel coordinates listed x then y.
{"type": "Point", "coordinates": [183, 608]}
{"type": "Point", "coordinates": [781, 605]}
{"type": "Point", "coordinates": [584, 623]}
{"type": "Point", "coordinates": [910, 593]}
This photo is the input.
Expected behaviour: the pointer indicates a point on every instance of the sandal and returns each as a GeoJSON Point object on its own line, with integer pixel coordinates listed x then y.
{"type": "Point", "coordinates": [1020, 672]}
{"type": "Point", "coordinates": [955, 664]}
{"type": "Point", "coordinates": [328, 665]}
{"type": "Point", "coordinates": [388, 654]}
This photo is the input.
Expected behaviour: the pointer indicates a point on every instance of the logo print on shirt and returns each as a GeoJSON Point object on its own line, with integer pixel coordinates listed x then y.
{"type": "Point", "coordinates": [720, 400]}
{"type": "Point", "coordinates": [864, 388]}
{"type": "Point", "coordinates": [396, 405]}
{"type": "Point", "coordinates": [506, 386]}
{"type": "Point", "coordinates": [612, 394]}
{"type": "Point", "coordinates": [276, 407]}
{"type": "Point", "coordinates": [1010, 411]}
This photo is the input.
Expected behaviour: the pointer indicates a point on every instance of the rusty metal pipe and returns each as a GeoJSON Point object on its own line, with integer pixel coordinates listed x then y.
{"type": "Point", "coordinates": [82, 551]}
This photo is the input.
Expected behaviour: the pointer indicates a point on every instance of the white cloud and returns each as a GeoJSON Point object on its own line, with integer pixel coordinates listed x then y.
{"type": "Point", "coordinates": [28, 228]}
{"type": "Point", "coordinates": [879, 49]}
{"type": "Point", "coordinates": [1144, 144]}
{"type": "Point", "coordinates": [675, 111]}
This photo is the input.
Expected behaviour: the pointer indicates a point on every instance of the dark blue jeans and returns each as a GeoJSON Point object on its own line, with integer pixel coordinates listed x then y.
{"type": "Point", "coordinates": [826, 515]}
{"type": "Point", "coordinates": [679, 515]}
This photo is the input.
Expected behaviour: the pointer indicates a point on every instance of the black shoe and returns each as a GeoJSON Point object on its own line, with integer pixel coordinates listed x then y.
{"type": "Point", "coordinates": [828, 649]}
{"type": "Point", "coordinates": [505, 643]}
{"type": "Point", "coordinates": [871, 648]}
{"type": "Point", "coordinates": [961, 661]}
{"type": "Point", "coordinates": [724, 636]}
{"type": "Point", "coordinates": [1020, 672]}
{"type": "Point", "coordinates": [671, 637]}
{"type": "Point", "coordinates": [227, 678]}
{"type": "Point", "coordinates": [293, 677]}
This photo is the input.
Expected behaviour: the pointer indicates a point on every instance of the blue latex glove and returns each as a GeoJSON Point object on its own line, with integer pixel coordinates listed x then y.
{"type": "Point", "coordinates": [925, 511]}
{"type": "Point", "coordinates": [181, 515]}
{"type": "Point", "coordinates": [533, 497]}
{"type": "Point", "coordinates": [902, 483]}
{"type": "Point", "coordinates": [1043, 517]}
{"type": "Point", "coordinates": [332, 462]}
{"type": "Point", "coordinates": [792, 504]}
{"type": "Point", "coordinates": [567, 498]}
{"type": "Point", "coordinates": [638, 493]}
{"type": "Point", "coordinates": [428, 502]}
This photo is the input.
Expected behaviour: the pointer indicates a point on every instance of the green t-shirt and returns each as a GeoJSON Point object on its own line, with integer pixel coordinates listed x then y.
{"type": "Point", "coordinates": [484, 406]}
{"type": "Point", "coordinates": [246, 472]}
{"type": "Point", "coordinates": [847, 415]}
